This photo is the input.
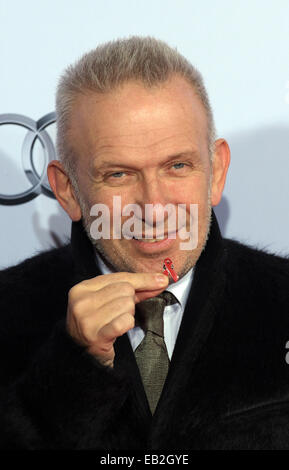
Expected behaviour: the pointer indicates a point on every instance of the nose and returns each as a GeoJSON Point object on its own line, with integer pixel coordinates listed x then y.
{"type": "Point", "coordinates": [152, 196]}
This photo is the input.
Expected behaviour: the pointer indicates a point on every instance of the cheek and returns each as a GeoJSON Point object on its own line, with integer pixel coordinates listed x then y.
{"type": "Point", "coordinates": [194, 191]}
{"type": "Point", "coordinates": [103, 197]}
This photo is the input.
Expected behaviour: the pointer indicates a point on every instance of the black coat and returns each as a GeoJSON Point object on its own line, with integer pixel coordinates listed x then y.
{"type": "Point", "coordinates": [228, 382]}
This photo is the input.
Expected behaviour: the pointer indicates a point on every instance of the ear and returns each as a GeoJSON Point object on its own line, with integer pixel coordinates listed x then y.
{"type": "Point", "coordinates": [220, 165]}
{"type": "Point", "coordinates": [62, 189]}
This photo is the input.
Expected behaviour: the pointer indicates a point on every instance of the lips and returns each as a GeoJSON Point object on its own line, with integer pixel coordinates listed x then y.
{"type": "Point", "coordinates": [149, 240]}
{"type": "Point", "coordinates": [153, 245]}
{"type": "Point", "coordinates": [143, 238]}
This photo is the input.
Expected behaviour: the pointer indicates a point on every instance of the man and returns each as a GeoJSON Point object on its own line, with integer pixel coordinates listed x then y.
{"type": "Point", "coordinates": [81, 368]}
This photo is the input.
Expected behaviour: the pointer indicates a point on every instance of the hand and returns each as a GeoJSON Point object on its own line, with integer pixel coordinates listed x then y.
{"type": "Point", "coordinates": [102, 308]}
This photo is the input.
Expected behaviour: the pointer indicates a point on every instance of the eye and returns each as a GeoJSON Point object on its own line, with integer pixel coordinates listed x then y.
{"type": "Point", "coordinates": [117, 174]}
{"type": "Point", "coordinates": [117, 178]}
{"type": "Point", "coordinates": [178, 166]}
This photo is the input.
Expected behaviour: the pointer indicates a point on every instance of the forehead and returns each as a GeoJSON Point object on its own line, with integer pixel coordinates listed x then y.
{"type": "Point", "coordinates": [138, 117]}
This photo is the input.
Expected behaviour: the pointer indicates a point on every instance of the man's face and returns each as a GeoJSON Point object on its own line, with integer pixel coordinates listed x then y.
{"type": "Point", "coordinates": [148, 146]}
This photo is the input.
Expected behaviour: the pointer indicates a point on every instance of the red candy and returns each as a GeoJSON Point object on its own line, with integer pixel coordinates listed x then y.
{"type": "Point", "coordinates": [168, 269]}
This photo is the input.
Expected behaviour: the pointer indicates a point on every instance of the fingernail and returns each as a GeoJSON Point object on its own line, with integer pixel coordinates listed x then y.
{"type": "Point", "coordinates": [161, 279]}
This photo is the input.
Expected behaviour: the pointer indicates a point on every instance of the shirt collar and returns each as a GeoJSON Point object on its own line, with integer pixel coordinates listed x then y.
{"type": "Point", "coordinates": [180, 289]}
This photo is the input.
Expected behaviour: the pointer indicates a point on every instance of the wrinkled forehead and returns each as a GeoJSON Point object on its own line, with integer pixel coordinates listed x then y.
{"type": "Point", "coordinates": [137, 118]}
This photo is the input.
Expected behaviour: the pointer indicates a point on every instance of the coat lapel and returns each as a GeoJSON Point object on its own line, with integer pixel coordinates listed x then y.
{"type": "Point", "coordinates": [85, 266]}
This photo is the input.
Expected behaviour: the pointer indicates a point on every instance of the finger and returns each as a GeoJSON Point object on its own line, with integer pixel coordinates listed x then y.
{"type": "Point", "coordinates": [122, 289]}
{"type": "Point", "coordinates": [97, 299]}
{"type": "Point", "coordinates": [140, 281]}
{"type": "Point", "coordinates": [92, 321]}
{"type": "Point", "coordinates": [119, 326]}
{"type": "Point", "coordinates": [140, 296]}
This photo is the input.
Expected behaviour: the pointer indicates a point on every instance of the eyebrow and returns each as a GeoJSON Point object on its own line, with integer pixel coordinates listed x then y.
{"type": "Point", "coordinates": [182, 155]}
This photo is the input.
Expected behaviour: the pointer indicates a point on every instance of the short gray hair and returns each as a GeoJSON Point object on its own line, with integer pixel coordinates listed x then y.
{"type": "Point", "coordinates": [109, 65]}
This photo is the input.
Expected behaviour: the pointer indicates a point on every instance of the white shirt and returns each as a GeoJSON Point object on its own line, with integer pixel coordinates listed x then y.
{"type": "Point", "coordinates": [173, 314]}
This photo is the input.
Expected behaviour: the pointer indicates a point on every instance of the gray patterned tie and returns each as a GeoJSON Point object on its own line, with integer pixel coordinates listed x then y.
{"type": "Point", "coordinates": [151, 354]}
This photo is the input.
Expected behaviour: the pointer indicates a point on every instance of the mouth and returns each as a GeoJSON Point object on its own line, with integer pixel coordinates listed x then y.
{"type": "Point", "coordinates": [149, 240]}
{"type": "Point", "coordinates": [157, 238]}
{"type": "Point", "coordinates": [150, 245]}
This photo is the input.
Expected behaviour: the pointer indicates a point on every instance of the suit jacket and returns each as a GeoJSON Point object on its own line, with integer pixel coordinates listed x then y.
{"type": "Point", "coordinates": [228, 381]}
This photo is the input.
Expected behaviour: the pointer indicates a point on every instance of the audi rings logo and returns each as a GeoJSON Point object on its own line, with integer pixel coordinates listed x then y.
{"type": "Point", "coordinates": [35, 130]}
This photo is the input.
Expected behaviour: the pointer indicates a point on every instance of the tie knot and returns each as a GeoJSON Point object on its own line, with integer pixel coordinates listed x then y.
{"type": "Point", "coordinates": [149, 313]}
{"type": "Point", "coordinates": [168, 297]}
